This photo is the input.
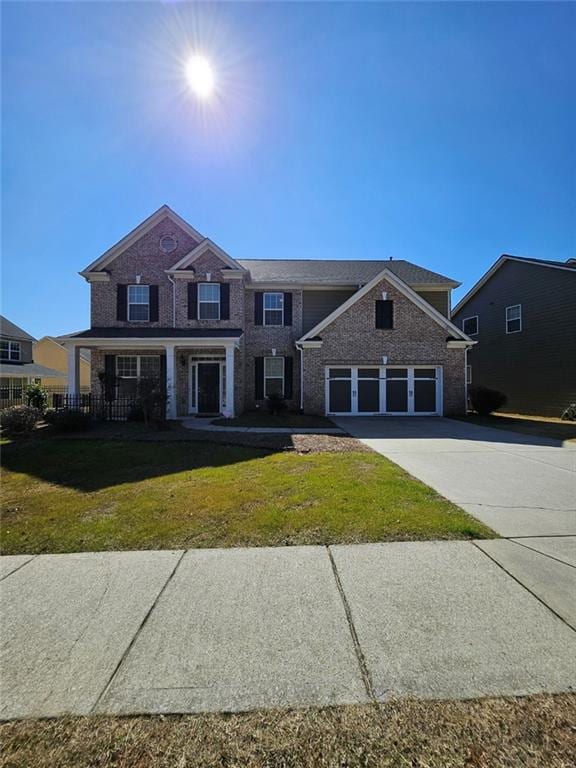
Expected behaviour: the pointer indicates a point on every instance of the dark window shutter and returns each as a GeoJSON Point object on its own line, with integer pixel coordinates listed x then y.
{"type": "Point", "coordinates": [224, 301]}
{"type": "Point", "coordinates": [192, 301]}
{"type": "Point", "coordinates": [385, 314]}
{"type": "Point", "coordinates": [110, 377]}
{"type": "Point", "coordinates": [153, 289]}
{"type": "Point", "coordinates": [258, 308]}
{"type": "Point", "coordinates": [288, 378]}
{"type": "Point", "coordinates": [259, 378]}
{"type": "Point", "coordinates": [121, 302]}
{"type": "Point", "coordinates": [287, 309]}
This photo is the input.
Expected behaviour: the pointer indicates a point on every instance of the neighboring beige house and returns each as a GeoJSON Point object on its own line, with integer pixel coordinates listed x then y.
{"type": "Point", "coordinates": [17, 365]}
{"type": "Point", "coordinates": [49, 351]}
{"type": "Point", "coordinates": [330, 336]}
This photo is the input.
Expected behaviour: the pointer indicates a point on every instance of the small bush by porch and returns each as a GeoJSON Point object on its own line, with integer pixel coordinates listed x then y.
{"type": "Point", "coordinates": [69, 495]}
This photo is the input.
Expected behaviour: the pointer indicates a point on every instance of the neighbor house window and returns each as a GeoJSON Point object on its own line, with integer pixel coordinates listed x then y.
{"type": "Point", "coordinates": [273, 309]}
{"type": "Point", "coordinates": [470, 325]}
{"type": "Point", "coordinates": [131, 368]}
{"type": "Point", "coordinates": [514, 318]}
{"type": "Point", "coordinates": [10, 350]}
{"type": "Point", "coordinates": [138, 303]}
{"type": "Point", "coordinates": [273, 376]}
{"type": "Point", "coordinates": [209, 301]}
{"type": "Point", "coordinates": [11, 389]}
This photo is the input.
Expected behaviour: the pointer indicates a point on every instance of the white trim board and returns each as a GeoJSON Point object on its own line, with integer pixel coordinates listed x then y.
{"type": "Point", "coordinates": [495, 267]}
{"type": "Point", "coordinates": [199, 250]}
{"type": "Point", "coordinates": [401, 286]}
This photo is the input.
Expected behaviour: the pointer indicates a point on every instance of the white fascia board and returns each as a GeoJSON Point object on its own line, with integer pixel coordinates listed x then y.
{"type": "Point", "coordinates": [453, 344]}
{"type": "Point", "coordinates": [316, 344]}
{"type": "Point", "coordinates": [201, 248]}
{"type": "Point", "coordinates": [119, 343]}
{"type": "Point", "coordinates": [95, 277]}
{"type": "Point", "coordinates": [410, 294]}
{"type": "Point", "coordinates": [137, 233]}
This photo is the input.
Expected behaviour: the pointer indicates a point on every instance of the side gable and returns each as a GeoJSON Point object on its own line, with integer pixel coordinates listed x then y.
{"type": "Point", "coordinates": [404, 289]}
{"type": "Point", "coordinates": [206, 246]}
{"type": "Point", "coordinates": [96, 267]}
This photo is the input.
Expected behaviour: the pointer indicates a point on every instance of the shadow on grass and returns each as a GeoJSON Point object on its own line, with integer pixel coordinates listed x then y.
{"type": "Point", "coordinates": [92, 465]}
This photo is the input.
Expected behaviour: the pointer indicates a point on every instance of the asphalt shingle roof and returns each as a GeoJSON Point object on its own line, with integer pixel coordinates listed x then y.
{"type": "Point", "coordinates": [331, 271]}
{"type": "Point", "coordinates": [11, 331]}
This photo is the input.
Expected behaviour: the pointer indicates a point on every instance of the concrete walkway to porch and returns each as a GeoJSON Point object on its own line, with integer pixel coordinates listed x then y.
{"type": "Point", "coordinates": [239, 629]}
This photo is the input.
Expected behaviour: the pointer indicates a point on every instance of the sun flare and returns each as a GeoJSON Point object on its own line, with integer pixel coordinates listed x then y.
{"type": "Point", "coordinates": [200, 76]}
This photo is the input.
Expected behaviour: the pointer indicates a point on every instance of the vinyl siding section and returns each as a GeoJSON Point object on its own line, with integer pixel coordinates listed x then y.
{"type": "Point", "coordinates": [440, 300]}
{"type": "Point", "coordinates": [535, 368]}
{"type": "Point", "coordinates": [316, 305]}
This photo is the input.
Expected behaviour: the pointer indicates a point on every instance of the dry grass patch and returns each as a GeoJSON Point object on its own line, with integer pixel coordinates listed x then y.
{"type": "Point", "coordinates": [530, 732]}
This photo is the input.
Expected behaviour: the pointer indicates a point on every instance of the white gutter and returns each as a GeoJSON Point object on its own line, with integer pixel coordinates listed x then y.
{"type": "Point", "coordinates": [173, 300]}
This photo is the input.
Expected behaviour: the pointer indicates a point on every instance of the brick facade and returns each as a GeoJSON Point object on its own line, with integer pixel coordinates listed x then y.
{"type": "Point", "coordinates": [352, 338]}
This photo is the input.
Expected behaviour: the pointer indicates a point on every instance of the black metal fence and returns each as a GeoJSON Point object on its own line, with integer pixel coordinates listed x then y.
{"type": "Point", "coordinates": [9, 397]}
{"type": "Point", "coordinates": [99, 407]}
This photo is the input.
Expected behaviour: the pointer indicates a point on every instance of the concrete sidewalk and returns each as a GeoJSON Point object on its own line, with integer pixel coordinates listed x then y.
{"type": "Point", "coordinates": [519, 485]}
{"type": "Point", "coordinates": [237, 629]}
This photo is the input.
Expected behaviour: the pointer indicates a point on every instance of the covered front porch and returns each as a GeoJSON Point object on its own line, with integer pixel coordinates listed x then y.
{"type": "Point", "coordinates": [199, 373]}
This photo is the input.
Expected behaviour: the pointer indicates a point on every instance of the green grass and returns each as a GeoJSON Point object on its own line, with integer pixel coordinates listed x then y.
{"type": "Point", "coordinates": [62, 495]}
{"type": "Point", "coordinates": [285, 419]}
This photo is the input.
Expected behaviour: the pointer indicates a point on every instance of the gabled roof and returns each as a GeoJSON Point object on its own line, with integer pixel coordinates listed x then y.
{"type": "Point", "coordinates": [148, 224]}
{"type": "Point", "coordinates": [406, 290]}
{"type": "Point", "coordinates": [201, 248]}
{"type": "Point", "coordinates": [336, 271]}
{"type": "Point", "coordinates": [9, 330]}
{"type": "Point", "coordinates": [569, 265]}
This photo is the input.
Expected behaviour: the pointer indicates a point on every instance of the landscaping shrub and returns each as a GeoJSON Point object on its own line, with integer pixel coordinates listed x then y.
{"type": "Point", "coordinates": [68, 421]}
{"type": "Point", "coordinates": [36, 397]}
{"type": "Point", "coordinates": [276, 404]}
{"type": "Point", "coordinates": [485, 400]}
{"type": "Point", "coordinates": [19, 419]}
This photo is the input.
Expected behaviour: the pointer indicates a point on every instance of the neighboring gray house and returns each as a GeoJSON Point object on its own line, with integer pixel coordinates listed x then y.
{"type": "Point", "coordinates": [17, 368]}
{"type": "Point", "coordinates": [522, 314]}
{"type": "Point", "coordinates": [330, 336]}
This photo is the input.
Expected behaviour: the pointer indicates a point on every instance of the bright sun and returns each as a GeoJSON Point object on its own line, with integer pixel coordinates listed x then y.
{"type": "Point", "coordinates": [200, 76]}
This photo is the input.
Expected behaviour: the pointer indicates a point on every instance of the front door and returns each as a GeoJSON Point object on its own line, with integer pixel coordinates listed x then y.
{"type": "Point", "coordinates": [208, 387]}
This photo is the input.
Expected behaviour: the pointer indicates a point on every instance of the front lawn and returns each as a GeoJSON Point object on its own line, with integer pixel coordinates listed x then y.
{"type": "Point", "coordinates": [289, 419]}
{"type": "Point", "coordinates": [63, 495]}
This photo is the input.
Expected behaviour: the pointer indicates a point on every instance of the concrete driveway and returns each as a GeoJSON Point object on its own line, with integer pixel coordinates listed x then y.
{"type": "Point", "coordinates": [517, 484]}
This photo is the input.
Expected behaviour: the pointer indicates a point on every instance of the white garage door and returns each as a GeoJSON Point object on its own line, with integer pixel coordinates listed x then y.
{"type": "Point", "coordinates": [395, 390]}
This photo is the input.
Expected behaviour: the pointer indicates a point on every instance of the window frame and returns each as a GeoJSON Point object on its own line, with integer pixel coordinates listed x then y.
{"type": "Point", "coordinates": [12, 346]}
{"type": "Point", "coordinates": [270, 309]}
{"type": "Point", "coordinates": [138, 359]}
{"type": "Point", "coordinates": [130, 304]}
{"type": "Point", "coordinates": [472, 317]}
{"type": "Point", "coordinates": [203, 301]}
{"type": "Point", "coordinates": [514, 319]}
{"type": "Point", "coordinates": [282, 377]}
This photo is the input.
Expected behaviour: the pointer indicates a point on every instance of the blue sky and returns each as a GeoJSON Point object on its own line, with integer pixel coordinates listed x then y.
{"type": "Point", "coordinates": [438, 133]}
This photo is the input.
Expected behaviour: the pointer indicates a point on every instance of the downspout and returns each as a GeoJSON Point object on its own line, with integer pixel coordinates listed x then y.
{"type": "Point", "coordinates": [173, 299]}
{"type": "Point", "coordinates": [301, 350]}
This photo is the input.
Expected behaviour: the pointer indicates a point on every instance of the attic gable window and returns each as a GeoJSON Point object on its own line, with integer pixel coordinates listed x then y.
{"type": "Point", "coordinates": [10, 351]}
{"type": "Point", "coordinates": [138, 303]}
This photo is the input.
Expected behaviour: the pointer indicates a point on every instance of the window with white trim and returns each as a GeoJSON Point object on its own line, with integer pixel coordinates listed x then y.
{"type": "Point", "coordinates": [130, 369]}
{"type": "Point", "coordinates": [273, 309]}
{"type": "Point", "coordinates": [208, 301]}
{"type": "Point", "coordinates": [138, 303]}
{"type": "Point", "coordinates": [273, 376]}
{"type": "Point", "coordinates": [514, 318]}
{"type": "Point", "coordinates": [470, 325]}
{"type": "Point", "coordinates": [10, 350]}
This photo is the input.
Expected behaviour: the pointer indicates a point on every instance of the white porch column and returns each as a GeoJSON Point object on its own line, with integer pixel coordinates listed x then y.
{"type": "Point", "coordinates": [73, 369]}
{"type": "Point", "coordinates": [229, 410]}
{"type": "Point", "coordinates": [171, 410]}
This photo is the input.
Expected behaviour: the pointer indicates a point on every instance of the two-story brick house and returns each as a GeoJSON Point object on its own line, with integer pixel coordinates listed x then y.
{"type": "Point", "coordinates": [329, 336]}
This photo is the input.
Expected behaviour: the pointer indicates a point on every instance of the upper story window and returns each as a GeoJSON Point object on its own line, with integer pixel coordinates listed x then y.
{"type": "Point", "coordinates": [10, 350]}
{"type": "Point", "coordinates": [273, 309]}
{"type": "Point", "coordinates": [209, 301]}
{"type": "Point", "coordinates": [470, 325]}
{"type": "Point", "coordinates": [514, 318]}
{"type": "Point", "coordinates": [138, 303]}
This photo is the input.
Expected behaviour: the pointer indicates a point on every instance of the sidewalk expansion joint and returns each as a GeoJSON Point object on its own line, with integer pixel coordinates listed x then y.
{"type": "Point", "coordinates": [33, 557]}
{"type": "Point", "coordinates": [544, 554]}
{"type": "Point", "coordinates": [540, 600]}
{"type": "Point", "coordinates": [137, 633]}
{"type": "Point", "coordinates": [366, 678]}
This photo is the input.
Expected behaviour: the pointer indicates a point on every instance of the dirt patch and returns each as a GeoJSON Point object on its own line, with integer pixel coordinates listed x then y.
{"type": "Point", "coordinates": [490, 733]}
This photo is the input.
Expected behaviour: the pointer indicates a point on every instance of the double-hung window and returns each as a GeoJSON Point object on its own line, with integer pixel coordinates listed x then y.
{"type": "Point", "coordinates": [131, 368]}
{"type": "Point", "coordinates": [10, 351]}
{"type": "Point", "coordinates": [514, 318]}
{"type": "Point", "coordinates": [273, 376]}
{"type": "Point", "coordinates": [470, 325]}
{"type": "Point", "coordinates": [209, 301]}
{"type": "Point", "coordinates": [138, 303]}
{"type": "Point", "coordinates": [273, 309]}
